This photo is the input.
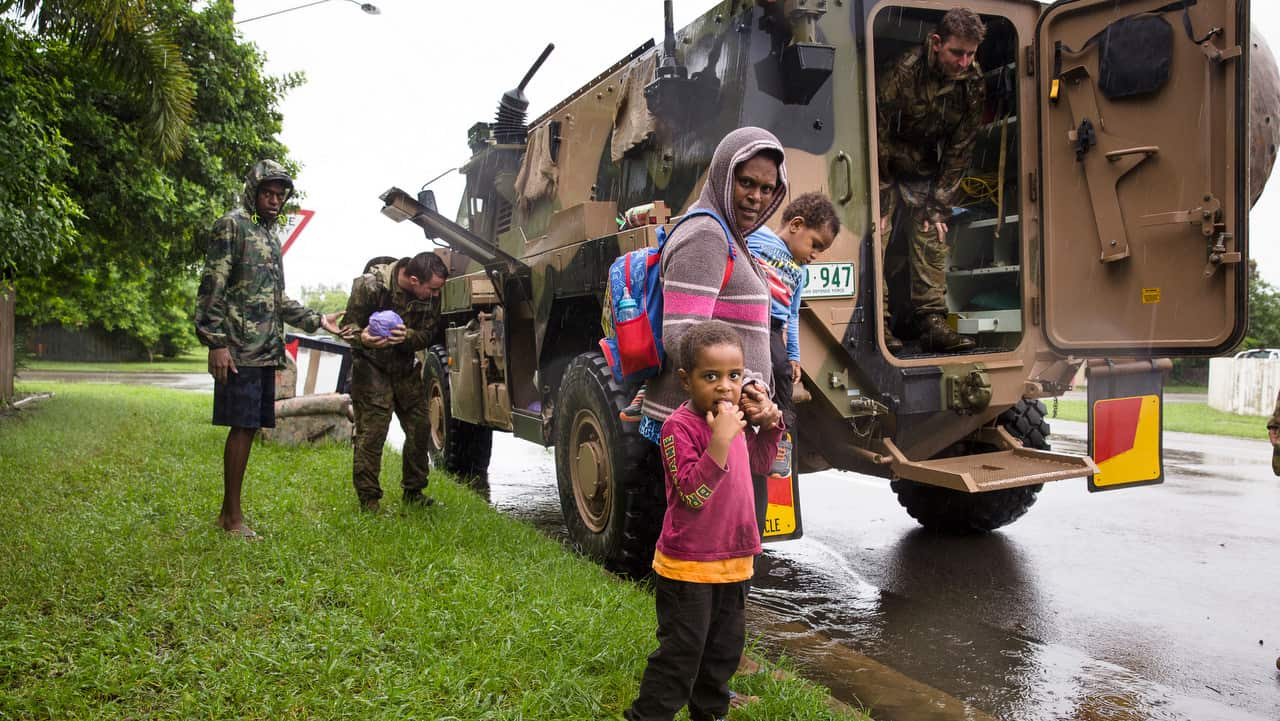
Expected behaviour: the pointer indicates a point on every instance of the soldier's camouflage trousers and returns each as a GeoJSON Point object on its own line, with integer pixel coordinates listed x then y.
{"type": "Point", "coordinates": [374, 395]}
{"type": "Point", "coordinates": [926, 256]}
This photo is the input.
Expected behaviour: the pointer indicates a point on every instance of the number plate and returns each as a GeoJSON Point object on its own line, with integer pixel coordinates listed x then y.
{"type": "Point", "coordinates": [829, 280]}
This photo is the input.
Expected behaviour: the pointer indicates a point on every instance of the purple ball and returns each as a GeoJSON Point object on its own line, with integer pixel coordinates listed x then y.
{"type": "Point", "coordinates": [381, 323]}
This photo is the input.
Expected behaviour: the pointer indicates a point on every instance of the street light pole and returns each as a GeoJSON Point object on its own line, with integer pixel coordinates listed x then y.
{"type": "Point", "coordinates": [369, 8]}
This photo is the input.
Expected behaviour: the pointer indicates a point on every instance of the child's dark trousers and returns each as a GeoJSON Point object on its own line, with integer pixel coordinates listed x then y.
{"type": "Point", "coordinates": [701, 633]}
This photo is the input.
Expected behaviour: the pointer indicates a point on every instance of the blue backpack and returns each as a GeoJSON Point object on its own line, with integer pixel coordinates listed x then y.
{"type": "Point", "coordinates": [632, 313]}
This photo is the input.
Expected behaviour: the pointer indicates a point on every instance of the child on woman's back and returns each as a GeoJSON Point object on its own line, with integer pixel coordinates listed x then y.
{"type": "Point", "coordinates": [809, 226]}
{"type": "Point", "coordinates": [705, 553]}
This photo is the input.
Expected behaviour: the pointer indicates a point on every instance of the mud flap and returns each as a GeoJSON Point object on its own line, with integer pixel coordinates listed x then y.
{"type": "Point", "coordinates": [1126, 423]}
{"type": "Point", "coordinates": [782, 496]}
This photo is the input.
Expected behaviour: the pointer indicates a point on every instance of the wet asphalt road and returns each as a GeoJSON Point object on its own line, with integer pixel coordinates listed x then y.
{"type": "Point", "coordinates": [1151, 603]}
{"type": "Point", "coordinates": [1143, 604]}
{"type": "Point", "coordinates": [1155, 603]}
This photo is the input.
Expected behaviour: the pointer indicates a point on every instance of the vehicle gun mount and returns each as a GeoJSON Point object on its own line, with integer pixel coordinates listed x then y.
{"type": "Point", "coordinates": [510, 127]}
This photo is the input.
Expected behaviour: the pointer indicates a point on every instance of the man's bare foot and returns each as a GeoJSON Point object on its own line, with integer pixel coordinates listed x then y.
{"type": "Point", "coordinates": [237, 529]}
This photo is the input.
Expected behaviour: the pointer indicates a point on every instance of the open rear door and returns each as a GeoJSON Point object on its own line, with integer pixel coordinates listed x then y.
{"type": "Point", "coordinates": [1143, 109]}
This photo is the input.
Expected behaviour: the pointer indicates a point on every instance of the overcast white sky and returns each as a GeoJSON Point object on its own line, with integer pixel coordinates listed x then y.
{"type": "Point", "coordinates": [389, 99]}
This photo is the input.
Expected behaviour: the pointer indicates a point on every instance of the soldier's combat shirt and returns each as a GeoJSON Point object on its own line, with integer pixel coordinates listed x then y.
{"type": "Point", "coordinates": [927, 124]}
{"type": "Point", "coordinates": [377, 290]}
{"type": "Point", "coordinates": [241, 305]}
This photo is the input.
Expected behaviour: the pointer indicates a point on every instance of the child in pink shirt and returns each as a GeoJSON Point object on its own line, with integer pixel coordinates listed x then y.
{"type": "Point", "coordinates": [706, 551]}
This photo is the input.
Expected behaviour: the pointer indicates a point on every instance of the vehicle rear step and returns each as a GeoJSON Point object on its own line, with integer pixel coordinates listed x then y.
{"type": "Point", "coordinates": [994, 471]}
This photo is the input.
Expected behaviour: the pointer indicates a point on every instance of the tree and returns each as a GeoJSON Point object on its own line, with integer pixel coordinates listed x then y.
{"type": "Point", "coordinates": [37, 211]}
{"type": "Point", "coordinates": [1264, 312]}
{"type": "Point", "coordinates": [124, 39]}
{"type": "Point", "coordinates": [325, 298]}
{"type": "Point", "coordinates": [145, 217]}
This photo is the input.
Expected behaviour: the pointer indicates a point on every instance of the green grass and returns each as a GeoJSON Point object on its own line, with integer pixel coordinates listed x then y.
{"type": "Point", "coordinates": [1186, 418]}
{"type": "Point", "coordinates": [185, 363]}
{"type": "Point", "coordinates": [122, 600]}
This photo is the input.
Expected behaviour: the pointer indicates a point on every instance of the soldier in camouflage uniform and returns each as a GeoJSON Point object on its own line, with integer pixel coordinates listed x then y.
{"type": "Point", "coordinates": [929, 105]}
{"type": "Point", "coordinates": [241, 310]}
{"type": "Point", "coordinates": [385, 375]}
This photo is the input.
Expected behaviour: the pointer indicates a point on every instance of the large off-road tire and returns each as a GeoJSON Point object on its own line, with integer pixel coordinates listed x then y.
{"type": "Point", "coordinates": [948, 511]}
{"type": "Point", "coordinates": [1026, 422]}
{"type": "Point", "coordinates": [458, 447]}
{"type": "Point", "coordinates": [611, 487]}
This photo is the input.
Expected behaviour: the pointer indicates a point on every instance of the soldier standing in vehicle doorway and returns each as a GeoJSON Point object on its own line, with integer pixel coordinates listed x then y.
{"type": "Point", "coordinates": [241, 310]}
{"type": "Point", "coordinates": [385, 373]}
{"type": "Point", "coordinates": [929, 106]}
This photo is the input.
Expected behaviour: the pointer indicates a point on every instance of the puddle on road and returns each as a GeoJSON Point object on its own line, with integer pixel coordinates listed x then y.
{"type": "Point", "coordinates": [907, 660]}
{"type": "Point", "coordinates": [903, 659]}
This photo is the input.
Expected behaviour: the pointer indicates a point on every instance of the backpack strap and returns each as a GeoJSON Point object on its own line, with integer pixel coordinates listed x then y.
{"type": "Point", "coordinates": [728, 236]}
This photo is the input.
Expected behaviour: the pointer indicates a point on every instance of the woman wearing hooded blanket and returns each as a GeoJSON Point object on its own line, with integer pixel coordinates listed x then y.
{"type": "Point", "coordinates": [702, 585]}
{"type": "Point", "coordinates": [746, 183]}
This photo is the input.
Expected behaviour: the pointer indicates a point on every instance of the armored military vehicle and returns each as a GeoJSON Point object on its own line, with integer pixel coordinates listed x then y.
{"type": "Point", "coordinates": [1102, 230]}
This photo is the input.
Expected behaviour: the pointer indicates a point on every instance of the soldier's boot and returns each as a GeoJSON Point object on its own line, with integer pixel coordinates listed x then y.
{"type": "Point", "coordinates": [417, 498]}
{"type": "Point", "coordinates": [938, 337]}
{"type": "Point", "coordinates": [891, 342]}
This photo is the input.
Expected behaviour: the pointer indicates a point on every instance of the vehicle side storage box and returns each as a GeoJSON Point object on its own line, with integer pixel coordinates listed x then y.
{"type": "Point", "coordinates": [465, 400]}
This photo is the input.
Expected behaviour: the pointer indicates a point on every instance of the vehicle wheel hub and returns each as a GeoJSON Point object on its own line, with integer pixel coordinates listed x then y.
{"type": "Point", "coordinates": [590, 473]}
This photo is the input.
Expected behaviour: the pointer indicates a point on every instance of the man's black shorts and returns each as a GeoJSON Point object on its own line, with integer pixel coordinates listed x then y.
{"type": "Point", "coordinates": [247, 399]}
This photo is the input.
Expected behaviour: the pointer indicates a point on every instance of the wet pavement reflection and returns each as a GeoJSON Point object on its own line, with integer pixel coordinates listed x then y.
{"type": "Point", "coordinates": [1083, 610]}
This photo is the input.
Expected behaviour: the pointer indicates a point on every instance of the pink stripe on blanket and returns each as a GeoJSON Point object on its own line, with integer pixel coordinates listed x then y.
{"type": "Point", "coordinates": [677, 303]}
{"type": "Point", "coordinates": [753, 313]}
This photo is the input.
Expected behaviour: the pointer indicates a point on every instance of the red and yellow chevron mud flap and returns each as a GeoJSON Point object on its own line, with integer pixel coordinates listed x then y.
{"type": "Point", "coordinates": [1126, 422]}
{"type": "Point", "coordinates": [782, 488]}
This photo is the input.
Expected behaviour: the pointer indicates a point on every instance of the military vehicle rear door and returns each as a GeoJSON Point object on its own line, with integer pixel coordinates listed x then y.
{"type": "Point", "coordinates": [1143, 109]}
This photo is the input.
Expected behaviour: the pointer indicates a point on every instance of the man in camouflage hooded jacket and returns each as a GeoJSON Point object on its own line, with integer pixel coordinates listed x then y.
{"type": "Point", "coordinates": [241, 310]}
{"type": "Point", "coordinates": [385, 375]}
{"type": "Point", "coordinates": [929, 105]}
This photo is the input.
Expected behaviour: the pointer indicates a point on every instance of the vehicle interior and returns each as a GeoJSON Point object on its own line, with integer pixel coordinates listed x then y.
{"type": "Point", "coordinates": [984, 268]}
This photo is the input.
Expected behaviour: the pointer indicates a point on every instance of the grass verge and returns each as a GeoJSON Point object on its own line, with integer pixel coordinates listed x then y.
{"type": "Point", "coordinates": [122, 600]}
{"type": "Point", "coordinates": [1184, 417]}
{"type": "Point", "coordinates": [185, 363]}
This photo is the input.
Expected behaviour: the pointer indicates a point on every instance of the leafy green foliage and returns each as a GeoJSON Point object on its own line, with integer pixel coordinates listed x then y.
{"type": "Point", "coordinates": [325, 298]}
{"type": "Point", "coordinates": [141, 235]}
{"type": "Point", "coordinates": [37, 209]}
{"type": "Point", "coordinates": [124, 39]}
{"type": "Point", "coordinates": [122, 600]}
{"type": "Point", "coordinates": [1264, 312]}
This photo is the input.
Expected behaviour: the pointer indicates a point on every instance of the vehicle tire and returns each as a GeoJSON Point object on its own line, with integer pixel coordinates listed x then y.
{"type": "Point", "coordinates": [954, 512]}
{"type": "Point", "coordinates": [611, 486]}
{"type": "Point", "coordinates": [458, 447]}
{"type": "Point", "coordinates": [1026, 422]}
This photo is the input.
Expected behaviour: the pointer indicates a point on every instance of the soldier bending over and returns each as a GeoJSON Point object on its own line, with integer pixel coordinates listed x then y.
{"type": "Point", "coordinates": [385, 374]}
